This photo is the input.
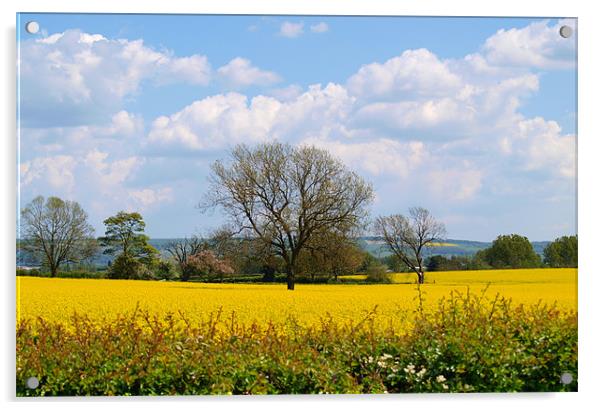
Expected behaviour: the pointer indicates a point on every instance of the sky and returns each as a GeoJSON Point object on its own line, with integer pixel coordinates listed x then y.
{"type": "Point", "coordinates": [471, 118]}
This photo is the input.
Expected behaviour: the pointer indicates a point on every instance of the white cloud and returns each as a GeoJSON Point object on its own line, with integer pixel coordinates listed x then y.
{"type": "Point", "coordinates": [319, 27]}
{"type": "Point", "coordinates": [380, 157]}
{"type": "Point", "coordinates": [124, 124]}
{"type": "Point", "coordinates": [217, 121]}
{"type": "Point", "coordinates": [109, 176]}
{"type": "Point", "coordinates": [291, 30]}
{"type": "Point", "coordinates": [415, 73]}
{"type": "Point", "coordinates": [147, 197]}
{"type": "Point", "coordinates": [541, 146]}
{"type": "Point", "coordinates": [239, 72]}
{"type": "Point", "coordinates": [57, 171]}
{"type": "Point", "coordinates": [194, 70]}
{"type": "Point", "coordinates": [75, 78]}
{"type": "Point", "coordinates": [287, 93]}
{"type": "Point", "coordinates": [222, 120]}
{"type": "Point", "coordinates": [414, 115]}
{"type": "Point", "coordinates": [459, 183]}
{"type": "Point", "coordinates": [537, 45]}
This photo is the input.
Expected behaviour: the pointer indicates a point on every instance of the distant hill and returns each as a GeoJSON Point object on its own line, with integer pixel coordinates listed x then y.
{"type": "Point", "coordinates": [372, 244]}
{"type": "Point", "coordinates": [451, 247]}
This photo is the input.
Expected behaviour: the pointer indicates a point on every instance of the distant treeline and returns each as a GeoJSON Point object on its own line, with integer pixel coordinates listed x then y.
{"type": "Point", "coordinates": [248, 264]}
{"type": "Point", "coordinates": [460, 250]}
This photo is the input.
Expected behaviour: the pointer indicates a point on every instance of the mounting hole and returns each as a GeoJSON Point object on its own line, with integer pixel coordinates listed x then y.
{"type": "Point", "coordinates": [566, 378]}
{"type": "Point", "coordinates": [32, 27]}
{"type": "Point", "coordinates": [32, 383]}
{"type": "Point", "coordinates": [566, 31]}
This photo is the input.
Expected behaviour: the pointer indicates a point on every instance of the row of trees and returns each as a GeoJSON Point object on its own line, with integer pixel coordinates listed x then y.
{"type": "Point", "coordinates": [511, 252]}
{"type": "Point", "coordinates": [291, 209]}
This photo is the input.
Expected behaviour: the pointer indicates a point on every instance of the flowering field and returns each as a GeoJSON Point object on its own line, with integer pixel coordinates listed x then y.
{"type": "Point", "coordinates": [103, 300]}
{"type": "Point", "coordinates": [463, 332]}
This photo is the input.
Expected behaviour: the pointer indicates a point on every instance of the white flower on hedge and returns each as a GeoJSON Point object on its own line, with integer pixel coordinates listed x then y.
{"type": "Point", "coordinates": [410, 369]}
{"type": "Point", "coordinates": [440, 378]}
{"type": "Point", "coordinates": [421, 373]}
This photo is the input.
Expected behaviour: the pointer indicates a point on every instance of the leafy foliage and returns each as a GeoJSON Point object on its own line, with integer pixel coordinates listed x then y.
{"type": "Point", "coordinates": [125, 237]}
{"type": "Point", "coordinates": [377, 273]}
{"type": "Point", "coordinates": [57, 232]}
{"type": "Point", "coordinates": [467, 344]}
{"type": "Point", "coordinates": [562, 253]}
{"type": "Point", "coordinates": [510, 251]}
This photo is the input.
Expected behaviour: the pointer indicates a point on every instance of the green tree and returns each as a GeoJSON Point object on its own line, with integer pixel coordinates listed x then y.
{"type": "Point", "coordinates": [124, 237]}
{"type": "Point", "coordinates": [330, 255]}
{"type": "Point", "coordinates": [562, 253]}
{"type": "Point", "coordinates": [57, 232]}
{"type": "Point", "coordinates": [442, 263]}
{"type": "Point", "coordinates": [511, 251]}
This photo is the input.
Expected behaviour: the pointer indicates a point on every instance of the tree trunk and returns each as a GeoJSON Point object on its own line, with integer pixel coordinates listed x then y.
{"type": "Point", "coordinates": [420, 277]}
{"type": "Point", "coordinates": [53, 269]}
{"type": "Point", "coordinates": [290, 282]}
{"type": "Point", "coordinates": [290, 278]}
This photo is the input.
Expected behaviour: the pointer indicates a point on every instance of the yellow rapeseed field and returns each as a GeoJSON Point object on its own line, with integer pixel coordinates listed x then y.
{"type": "Point", "coordinates": [102, 300]}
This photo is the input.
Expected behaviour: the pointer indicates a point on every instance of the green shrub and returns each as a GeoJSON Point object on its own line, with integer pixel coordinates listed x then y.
{"type": "Point", "coordinates": [164, 270]}
{"type": "Point", "coordinates": [468, 344]}
{"type": "Point", "coordinates": [128, 267]}
{"type": "Point", "coordinates": [378, 274]}
{"type": "Point", "coordinates": [31, 272]}
{"type": "Point", "coordinates": [82, 274]}
{"type": "Point", "coordinates": [562, 253]}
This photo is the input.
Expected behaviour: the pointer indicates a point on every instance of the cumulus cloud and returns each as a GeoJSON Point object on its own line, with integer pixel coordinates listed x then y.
{"type": "Point", "coordinates": [123, 124]}
{"type": "Point", "coordinates": [291, 30]}
{"type": "Point", "coordinates": [537, 45]}
{"type": "Point", "coordinates": [441, 129]}
{"type": "Point", "coordinates": [239, 73]}
{"type": "Point", "coordinates": [287, 93]}
{"type": "Point", "coordinates": [540, 145]}
{"type": "Point", "coordinates": [320, 27]}
{"type": "Point", "coordinates": [147, 197]}
{"type": "Point", "coordinates": [75, 78]}
{"type": "Point", "coordinates": [458, 183]}
{"type": "Point", "coordinates": [219, 121]}
{"type": "Point", "coordinates": [380, 157]}
{"type": "Point", "coordinates": [57, 171]}
{"type": "Point", "coordinates": [415, 73]}
{"type": "Point", "coordinates": [110, 175]}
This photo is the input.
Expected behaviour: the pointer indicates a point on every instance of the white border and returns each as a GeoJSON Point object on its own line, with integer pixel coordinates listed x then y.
{"type": "Point", "coordinates": [590, 34]}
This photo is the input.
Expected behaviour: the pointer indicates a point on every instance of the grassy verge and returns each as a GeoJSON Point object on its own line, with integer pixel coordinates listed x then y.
{"type": "Point", "coordinates": [467, 344]}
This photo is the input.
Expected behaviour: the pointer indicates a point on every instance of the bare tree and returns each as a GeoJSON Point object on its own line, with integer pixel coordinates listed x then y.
{"type": "Point", "coordinates": [407, 237]}
{"type": "Point", "coordinates": [284, 195]}
{"type": "Point", "coordinates": [182, 250]}
{"type": "Point", "coordinates": [58, 231]}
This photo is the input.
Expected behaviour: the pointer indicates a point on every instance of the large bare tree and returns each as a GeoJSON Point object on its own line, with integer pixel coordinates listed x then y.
{"type": "Point", "coordinates": [284, 195]}
{"type": "Point", "coordinates": [57, 231]}
{"type": "Point", "coordinates": [407, 237]}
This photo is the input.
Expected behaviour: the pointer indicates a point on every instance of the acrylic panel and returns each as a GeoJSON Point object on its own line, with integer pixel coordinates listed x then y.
{"type": "Point", "coordinates": [221, 204]}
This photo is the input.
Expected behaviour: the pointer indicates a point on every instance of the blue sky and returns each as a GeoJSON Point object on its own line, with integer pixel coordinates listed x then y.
{"type": "Point", "coordinates": [473, 118]}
